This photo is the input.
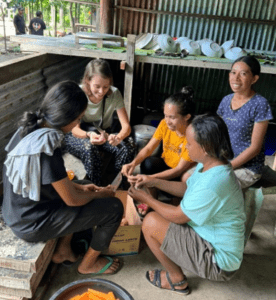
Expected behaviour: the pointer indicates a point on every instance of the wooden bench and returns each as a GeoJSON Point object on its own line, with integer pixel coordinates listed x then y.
{"type": "Point", "coordinates": [22, 265]}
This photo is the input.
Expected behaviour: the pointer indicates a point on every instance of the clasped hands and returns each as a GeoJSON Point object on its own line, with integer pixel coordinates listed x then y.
{"type": "Point", "coordinates": [103, 137]}
{"type": "Point", "coordinates": [139, 183]}
{"type": "Point", "coordinates": [107, 191]}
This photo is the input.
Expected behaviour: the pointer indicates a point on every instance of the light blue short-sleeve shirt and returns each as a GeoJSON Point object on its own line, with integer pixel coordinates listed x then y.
{"type": "Point", "coordinates": [214, 203]}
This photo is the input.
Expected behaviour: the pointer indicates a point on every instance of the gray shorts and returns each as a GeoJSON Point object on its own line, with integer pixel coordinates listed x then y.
{"type": "Point", "coordinates": [192, 253]}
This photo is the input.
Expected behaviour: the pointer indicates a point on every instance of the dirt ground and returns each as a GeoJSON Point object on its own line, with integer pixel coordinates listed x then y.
{"type": "Point", "coordinates": [13, 50]}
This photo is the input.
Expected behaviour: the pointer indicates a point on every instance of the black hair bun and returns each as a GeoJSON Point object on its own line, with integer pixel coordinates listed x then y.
{"type": "Point", "coordinates": [188, 90]}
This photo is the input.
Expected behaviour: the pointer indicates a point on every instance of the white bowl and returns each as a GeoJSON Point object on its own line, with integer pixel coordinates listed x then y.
{"type": "Point", "coordinates": [227, 45]}
{"type": "Point", "coordinates": [143, 40]}
{"type": "Point", "coordinates": [234, 53]}
{"type": "Point", "coordinates": [211, 49]}
{"type": "Point", "coordinates": [191, 46]}
{"type": "Point", "coordinates": [166, 43]}
{"type": "Point", "coordinates": [182, 38]}
{"type": "Point", "coordinates": [204, 41]}
{"type": "Point", "coordinates": [153, 44]}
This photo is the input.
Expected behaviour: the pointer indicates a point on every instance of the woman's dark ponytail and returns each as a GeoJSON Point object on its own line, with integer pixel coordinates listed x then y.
{"type": "Point", "coordinates": [62, 104]}
{"type": "Point", "coordinates": [29, 122]}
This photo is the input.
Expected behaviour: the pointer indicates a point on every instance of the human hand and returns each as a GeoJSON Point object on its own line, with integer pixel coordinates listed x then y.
{"type": "Point", "coordinates": [114, 140]}
{"type": "Point", "coordinates": [138, 195]}
{"type": "Point", "coordinates": [140, 181]}
{"type": "Point", "coordinates": [92, 187]}
{"type": "Point", "coordinates": [97, 139]}
{"type": "Point", "coordinates": [107, 191]}
{"type": "Point", "coordinates": [127, 169]}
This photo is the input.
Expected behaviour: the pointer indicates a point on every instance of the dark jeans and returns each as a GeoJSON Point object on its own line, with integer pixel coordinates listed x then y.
{"type": "Point", "coordinates": [152, 165]}
{"type": "Point", "coordinates": [104, 213]}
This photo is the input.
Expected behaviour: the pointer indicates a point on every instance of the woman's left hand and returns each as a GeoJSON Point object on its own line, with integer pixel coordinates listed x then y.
{"type": "Point", "coordinates": [97, 139]}
{"type": "Point", "coordinates": [92, 188]}
{"type": "Point", "coordinates": [114, 140]}
{"type": "Point", "coordinates": [138, 194]}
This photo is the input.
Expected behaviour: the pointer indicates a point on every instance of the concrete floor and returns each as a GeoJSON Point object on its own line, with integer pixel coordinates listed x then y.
{"type": "Point", "coordinates": [256, 278]}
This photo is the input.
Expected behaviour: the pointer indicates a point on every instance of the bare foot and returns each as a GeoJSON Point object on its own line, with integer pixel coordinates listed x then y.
{"type": "Point", "coordinates": [59, 258]}
{"type": "Point", "coordinates": [164, 282]}
{"type": "Point", "coordinates": [99, 264]}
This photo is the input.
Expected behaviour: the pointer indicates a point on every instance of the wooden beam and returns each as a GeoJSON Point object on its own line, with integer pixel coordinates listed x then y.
{"type": "Point", "coordinates": [106, 16]}
{"type": "Point", "coordinates": [129, 72]}
{"type": "Point", "coordinates": [83, 2]}
{"type": "Point", "coordinates": [83, 52]}
{"type": "Point", "coordinates": [201, 16]}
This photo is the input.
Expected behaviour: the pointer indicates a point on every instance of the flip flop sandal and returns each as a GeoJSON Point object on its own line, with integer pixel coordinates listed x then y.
{"type": "Point", "coordinates": [110, 262]}
{"type": "Point", "coordinates": [157, 282]}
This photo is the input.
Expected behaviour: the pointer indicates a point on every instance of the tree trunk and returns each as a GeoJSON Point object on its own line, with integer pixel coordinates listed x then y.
{"type": "Point", "coordinates": [52, 15]}
{"type": "Point", "coordinates": [55, 22]}
{"type": "Point", "coordinates": [29, 14]}
{"type": "Point", "coordinates": [71, 18]}
{"type": "Point", "coordinates": [61, 17]}
{"type": "Point", "coordinates": [76, 13]}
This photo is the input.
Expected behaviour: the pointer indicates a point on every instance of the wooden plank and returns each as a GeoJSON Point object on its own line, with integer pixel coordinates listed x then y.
{"type": "Point", "coordinates": [129, 72]}
{"type": "Point", "coordinates": [14, 69]}
{"type": "Point", "coordinates": [40, 290]}
{"type": "Point", "coordinates": [8, 297]}
{"type": "Point", "coordinates": [24, 284]}
{"type": "Point", "coordinates": [83, 52]}
{"type": "Point", "coordinates": [19, 255]}
{"type": "Point", "coordinates": [195, 63]}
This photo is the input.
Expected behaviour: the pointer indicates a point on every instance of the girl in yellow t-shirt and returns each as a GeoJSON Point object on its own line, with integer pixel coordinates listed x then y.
{"type": "Point", "coordinates": [175, 160]}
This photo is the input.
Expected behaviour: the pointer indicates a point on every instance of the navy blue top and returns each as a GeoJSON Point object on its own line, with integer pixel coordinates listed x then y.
{"type": "Point", "coordinates": [240, 123]}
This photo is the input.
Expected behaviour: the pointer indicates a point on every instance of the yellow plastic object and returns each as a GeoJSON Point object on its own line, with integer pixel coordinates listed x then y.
{"type": "Point", "coordinates": [70, 174]}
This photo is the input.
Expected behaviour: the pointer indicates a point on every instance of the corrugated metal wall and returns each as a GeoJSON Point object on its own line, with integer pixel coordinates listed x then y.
{"type": "Point", "coordinates": [26, 92]}
{"type": "Point", "coordinates": [251, 23]}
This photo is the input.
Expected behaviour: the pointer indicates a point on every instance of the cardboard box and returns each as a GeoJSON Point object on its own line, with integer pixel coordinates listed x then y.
{"type": "Point", "coordinates": [126, 240]}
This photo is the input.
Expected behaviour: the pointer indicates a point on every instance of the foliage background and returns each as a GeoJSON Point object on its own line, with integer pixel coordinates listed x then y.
{"type": "Point", "coordinates": [64, 12]}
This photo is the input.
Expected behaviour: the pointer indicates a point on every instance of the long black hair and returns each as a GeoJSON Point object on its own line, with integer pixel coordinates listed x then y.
{"type": "Point", "coordinates": [211, 134]}
{"type": "Point", "coordinates": [184, 100]}
{"type": "Point", "coordinates": [62, 104]}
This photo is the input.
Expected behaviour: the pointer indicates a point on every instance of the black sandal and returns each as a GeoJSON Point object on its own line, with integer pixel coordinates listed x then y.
{"type": "Point", "coordinates": [157, 282]}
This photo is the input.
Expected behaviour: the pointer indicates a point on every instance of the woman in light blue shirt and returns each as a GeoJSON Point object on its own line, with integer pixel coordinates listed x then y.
{"type": "Point", "coordinates": [205, 233]}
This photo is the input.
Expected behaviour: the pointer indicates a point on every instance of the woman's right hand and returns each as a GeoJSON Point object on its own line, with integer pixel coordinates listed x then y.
{"type": "Point", "coordinates": [140, 181]}
{"type": "Point", "coordinates": [127, 169]}
{"type": "Point", "coordinates": [97, 139]}
{"type": "Point", "coordinates": [106, 192]}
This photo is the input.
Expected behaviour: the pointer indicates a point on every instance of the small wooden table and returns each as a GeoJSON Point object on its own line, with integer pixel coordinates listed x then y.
{"type": "Point", "coordinates": [99, 38]}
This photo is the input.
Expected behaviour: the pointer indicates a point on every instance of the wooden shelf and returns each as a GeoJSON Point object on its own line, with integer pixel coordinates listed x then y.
{"type": "Point", "coordinates": [195, 63]}
{"type": "Point", "coordinates": [37, 44]}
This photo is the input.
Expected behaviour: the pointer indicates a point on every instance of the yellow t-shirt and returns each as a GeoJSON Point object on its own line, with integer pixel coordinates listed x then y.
{"type": "Point", "coordinates": [174, 146]}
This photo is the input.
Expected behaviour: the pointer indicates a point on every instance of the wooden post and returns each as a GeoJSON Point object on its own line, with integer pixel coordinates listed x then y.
{"type": "Point", "coordinates": [129, 72]}
{"type": "Point", "coordinates": [106, 16]}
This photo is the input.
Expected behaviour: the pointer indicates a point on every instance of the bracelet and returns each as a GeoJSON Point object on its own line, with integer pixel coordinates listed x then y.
{"type": "Point", "coordinates": [87, 135]}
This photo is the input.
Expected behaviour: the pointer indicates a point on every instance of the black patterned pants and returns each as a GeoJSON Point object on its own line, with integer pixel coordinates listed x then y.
{"type": "Point", "coordinates": [91, 158]}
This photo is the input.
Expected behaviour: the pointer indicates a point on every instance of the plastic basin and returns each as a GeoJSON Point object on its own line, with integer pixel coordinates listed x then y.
{"type": "Point", "coordinates": [81, 286]}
